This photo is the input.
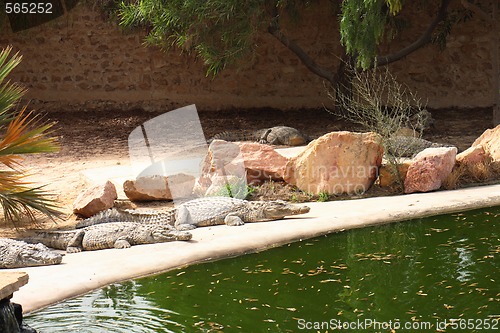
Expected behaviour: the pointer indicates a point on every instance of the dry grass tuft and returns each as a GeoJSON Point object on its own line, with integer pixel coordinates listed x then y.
{"type": "Point", "coordinates": [464, 174]}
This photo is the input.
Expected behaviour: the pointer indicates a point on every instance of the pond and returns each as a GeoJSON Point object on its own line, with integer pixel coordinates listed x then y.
{"type": "Point", "coordinates": [417, 276]}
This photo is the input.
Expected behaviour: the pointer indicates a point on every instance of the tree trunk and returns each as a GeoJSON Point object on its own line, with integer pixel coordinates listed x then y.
{"type": "Point", "coordinates": [495, 45]}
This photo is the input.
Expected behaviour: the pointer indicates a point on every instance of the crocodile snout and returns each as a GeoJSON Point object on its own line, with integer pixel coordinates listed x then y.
{"type": "Point", "coordinates": [303, 209]}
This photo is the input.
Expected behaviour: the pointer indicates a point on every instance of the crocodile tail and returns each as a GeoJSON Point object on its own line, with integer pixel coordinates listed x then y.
{"type": "Point", "coordinates": [107, 216]}
{"type": "Point", "coordinates": [53, 239]}
{"type": "Point", "coordinates": [233, 136]}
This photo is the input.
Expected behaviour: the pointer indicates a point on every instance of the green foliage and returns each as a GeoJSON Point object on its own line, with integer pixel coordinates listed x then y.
{"type": "Point", "coordinates": [22, 134]}
{"type": "Point", "coordinates": [362, 27]}
{"type": "Point", "coordinates": [219, 31]}
{"type": "Point", "coordinates": [455, 16]}
{"type": "Point", "coordinates": [323, 196]}
{"type": "Point", "coordinates": [235, 188]}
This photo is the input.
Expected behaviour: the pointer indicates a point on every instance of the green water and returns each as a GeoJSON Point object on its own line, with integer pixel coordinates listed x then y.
{"type": "Point", "coordinates": [420, 273]}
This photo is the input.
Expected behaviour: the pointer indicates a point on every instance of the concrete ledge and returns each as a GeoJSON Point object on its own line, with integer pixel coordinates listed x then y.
{"type": "Point", "coordinates": [82, 272]}
{"type": "Point", "coordinates": [11, 282]}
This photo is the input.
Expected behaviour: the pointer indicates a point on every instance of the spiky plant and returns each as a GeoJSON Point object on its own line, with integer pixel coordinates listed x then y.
{"type": "Point", "coordinates": [21, 133]}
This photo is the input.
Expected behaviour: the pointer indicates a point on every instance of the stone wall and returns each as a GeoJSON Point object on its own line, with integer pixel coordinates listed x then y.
{"type": "Point", "coordinates": [84, 59]}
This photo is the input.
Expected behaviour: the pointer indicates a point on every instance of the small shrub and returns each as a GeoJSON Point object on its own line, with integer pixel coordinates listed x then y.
{"type": "Point", "coordinates": [323, 196]}
{"type": "Point", "coordinates": [381, 104]}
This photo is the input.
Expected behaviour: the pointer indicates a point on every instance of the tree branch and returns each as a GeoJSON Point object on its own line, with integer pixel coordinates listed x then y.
{"type": "Point", "coordinates": [274, 29]}
{"type": "Point", "coordinates": [477, 10]}
{"type": "Point", "coordinates": [423, 40]}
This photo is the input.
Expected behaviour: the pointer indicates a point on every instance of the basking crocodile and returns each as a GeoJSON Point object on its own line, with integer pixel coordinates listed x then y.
{"type": "Point", "coordinates": [16, 253]}
{"type": "Point", "coordinates": [207, 211]}
{"type": "Point", "coordinates": [277, 135]}
{"type": "Point", "coordinates": [118, 235]}
{"type": "Point", "coordinates": [223, 210]}
{"type": "Point", "coordinates": [407, 146]}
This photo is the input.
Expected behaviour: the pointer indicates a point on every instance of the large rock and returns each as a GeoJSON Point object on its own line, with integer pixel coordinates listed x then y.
{"type": "Point", "coordinates": [257, 162]}
{"type": "Point", "coordinates": [473, 155]}
{"type": "Point", "coordinates": [95, 199]}
{"type": "Point", "coordinates": [337, 162]}
{"type": "Point", "coordinates": [490, 142]}
{"type": "Point", "coordinates": [262, 162]}
{"type": "Point", "coordinates": [159, 187]}
{"type": "Point", "coordinates": [429, 169]}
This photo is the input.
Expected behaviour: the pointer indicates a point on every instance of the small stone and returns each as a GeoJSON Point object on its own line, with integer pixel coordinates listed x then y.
{"type": "Point", "coordinates": [95, 199]}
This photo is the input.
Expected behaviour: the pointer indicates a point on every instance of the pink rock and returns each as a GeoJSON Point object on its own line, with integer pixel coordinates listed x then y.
{"type": "Point", "coordinates": [490, 141]}
{"type": "Point", "coordinates": [473, 155]}
{"type": "Point", "coordinates": [158, 187]}
{"type": "Point", "coordinates": [262, 162]}
{"type": "Point", "coordinates": [429, 169]}
{"type": "Point", "coordinates": [257, 161]}
{"type": "Point", "coordinates": [95, 199]}
{"type": "Point", "coordinates": [337, 162]}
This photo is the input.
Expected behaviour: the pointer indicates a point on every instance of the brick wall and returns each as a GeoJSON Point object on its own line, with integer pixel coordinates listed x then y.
{"type": "Point", "coordinates": [82, 59]}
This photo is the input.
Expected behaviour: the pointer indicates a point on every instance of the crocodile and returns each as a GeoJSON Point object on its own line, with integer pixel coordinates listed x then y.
{"type": "Point", "coordinates": [407, 146]}
{"type": "Point", "coordinates": [277, 135]}
{"type": "Point", "coordinates": [118, 235]}
{"type": "Point", "coordinates": [16, 253]}
{"type": "Point", "coordinates": [205, 212]}
{"type": "Point", "coordinates": [233, 212]}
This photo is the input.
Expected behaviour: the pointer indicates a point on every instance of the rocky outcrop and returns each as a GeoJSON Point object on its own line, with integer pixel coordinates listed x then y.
{"type": "Point", "coordinates": [158, 187]}
{"type": "Point", "coordinates": [429, 169]}
{"type": "Point", "coordinates": [490, 142]}
{"type": "Point", "coordinates": [337, 162]}
{"type": "Point", "coordinates": [95, 199]}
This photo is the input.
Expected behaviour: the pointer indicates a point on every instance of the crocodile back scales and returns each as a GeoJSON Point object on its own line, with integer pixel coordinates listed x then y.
{"type": "Point", "coordinates": [213, 210]}
{"type": "Point", "coordinates": [117, 215]}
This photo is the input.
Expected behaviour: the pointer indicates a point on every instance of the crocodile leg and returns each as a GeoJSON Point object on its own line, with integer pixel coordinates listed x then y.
{"type": "Point", "coordinates": [233, 220]}
{"type": "Point", "coordinates": [76, 243]}
{"type": "Point", "coordinates": [183, 219]}
{"type": "Point", "coordinates": [122, 243]}
{"type": "Point", "coordinates": [263, 138]}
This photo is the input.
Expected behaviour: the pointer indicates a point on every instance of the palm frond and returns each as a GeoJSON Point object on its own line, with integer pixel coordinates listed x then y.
{"type": "Point", "coordinates": [22, 133]}
{"type": "Point", "coordinates": [10, 93]}
{"type": "Point", "coordinates": [25, 135]}
{"type": "Point", "coordinates": [24, 202]}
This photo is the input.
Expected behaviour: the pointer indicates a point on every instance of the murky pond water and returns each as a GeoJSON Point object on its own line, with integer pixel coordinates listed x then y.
{"type": "Point", "coordinates": [415, 276]}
